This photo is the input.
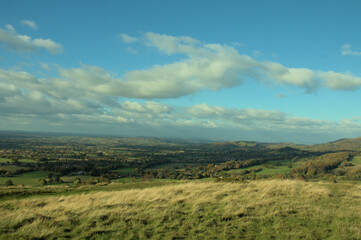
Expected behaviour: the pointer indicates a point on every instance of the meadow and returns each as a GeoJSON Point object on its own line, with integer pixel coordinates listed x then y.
{"type": "Point", "coordinates": [273, 209]}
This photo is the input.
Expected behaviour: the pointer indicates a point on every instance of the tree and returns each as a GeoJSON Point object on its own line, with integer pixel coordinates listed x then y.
{"type": "Point", "coordinates": [104, 179]}
{"type": "Point", "coordinates": [57, 179]}
{"type": "Point", "coordinates": [9, 183]}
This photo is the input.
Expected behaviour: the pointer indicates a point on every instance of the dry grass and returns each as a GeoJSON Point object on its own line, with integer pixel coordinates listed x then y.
{"type": "Point", "coordinates": [196, 210]}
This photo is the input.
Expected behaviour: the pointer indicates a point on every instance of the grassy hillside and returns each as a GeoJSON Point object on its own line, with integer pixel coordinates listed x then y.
{"type": "Point", "coordinates": [275, 209]}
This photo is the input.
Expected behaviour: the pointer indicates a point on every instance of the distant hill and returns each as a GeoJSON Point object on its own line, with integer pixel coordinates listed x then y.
{"type": "Point", "coordinates": [350, 144]}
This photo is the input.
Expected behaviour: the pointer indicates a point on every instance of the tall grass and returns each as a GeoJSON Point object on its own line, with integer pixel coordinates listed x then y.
{"type": "Point", "coordinates": [274, 209]}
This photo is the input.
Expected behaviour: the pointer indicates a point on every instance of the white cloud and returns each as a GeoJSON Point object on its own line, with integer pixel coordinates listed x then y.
{"type": "Point", "coordinates": [20, 77]}
{"type": "Point", "coordinates": [232, 116]}
{"type": "Point", "coordinates": [300, 77]}
{"type": "Point", "coordinates": [346, 50]}
{"type": "Point", "coordinates": [90, 95]}
{"type": "Point", "coordinates": [339, 81]}
{"type": "Point", "coordinates": [29, 23]}
{"type": "Point", "coordinates": [156, 119]}
{"type": "Point", "coordinates": [215, 66]}
{"type": "Point", "coordinates": [148, 109]}
{"type": "Point", "coordinates": [171, 44]}
{"type": "Point", "coordinates": [10, 28]}
{"type": "Point", "coordinates": [126, 38]}
{"type": "Point", "coordinates": [45, 66]}
{"type": "Point", "coordinates": [205, 67]}
{"type": "Point", "coordinates": [157, 107]}
{"type": "Point", "coordinates": [26, 99]}
{"type": "Point", "coordinates": [24, 43]}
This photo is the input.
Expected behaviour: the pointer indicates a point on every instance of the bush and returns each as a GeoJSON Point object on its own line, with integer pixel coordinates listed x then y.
{"type": "Point", "coordinates": [92, 181]}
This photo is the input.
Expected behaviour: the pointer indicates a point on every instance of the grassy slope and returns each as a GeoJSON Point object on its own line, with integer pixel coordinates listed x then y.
{"type": "Point", "coordinates": [195, 210]}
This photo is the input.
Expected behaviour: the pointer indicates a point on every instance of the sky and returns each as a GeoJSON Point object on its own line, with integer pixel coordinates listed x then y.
{"type": "Point", "coordinates": [267, 71]}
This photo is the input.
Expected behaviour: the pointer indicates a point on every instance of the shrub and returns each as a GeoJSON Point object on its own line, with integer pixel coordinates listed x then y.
{"type": "Point", "coordinates": [43, 181]}
{"type": "Point", "coordinates": [77, 181]}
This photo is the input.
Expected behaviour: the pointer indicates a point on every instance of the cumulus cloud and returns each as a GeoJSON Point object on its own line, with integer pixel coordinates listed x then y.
{"type": "Point", "coordinates": [215, 66]}
{"type": "Point", "coordinates": [204, 67]}
{"type": "Point", "coordinates": [23, 43]}
{"type": "Point", "coordinates": [29, 23]}
{"type": "Point", "coordinates": [346, 50]}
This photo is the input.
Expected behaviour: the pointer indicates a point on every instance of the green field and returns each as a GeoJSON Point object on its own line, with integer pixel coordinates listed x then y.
{"type": "Point", "coordinates": [268, 168]}
{"type": "Point", "coordinates": [12, 168]}
{"type": "Point", "coordinates": [275, 209]}
{"type": "Point", "coordinates": [356, 160]}
{"type": "Point", "coordinates": [27, 179]}
{"type": "Point", "coordinates": [125, 170]}
{"type": "Point", "coordinates": [5, 160]}
{"type": "Point", "coordinates": [25, 160]}
{"type": "Point", "coordinates": [178, 165]}
{"type": "Point", "coordinates": [71, 179]}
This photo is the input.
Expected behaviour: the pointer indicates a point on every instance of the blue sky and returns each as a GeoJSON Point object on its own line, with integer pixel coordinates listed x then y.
{"type": "Point", "coordinates": [268, 71]}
